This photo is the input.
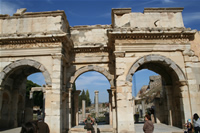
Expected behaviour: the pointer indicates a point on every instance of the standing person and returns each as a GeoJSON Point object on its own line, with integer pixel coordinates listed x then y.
{"type": "Point", "coordinates": [188, 126]}
{"type": "Point", "coordinates": [148, 125]}
{"type": "Point", "coordinates": [196, 121]}
{"type": "Point", "coordinates": [42, 126]}
{"type": "Point", "coordinates": [88, 123]}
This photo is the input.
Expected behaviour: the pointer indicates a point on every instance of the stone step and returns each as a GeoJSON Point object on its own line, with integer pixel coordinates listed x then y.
{"type": "Point", "coordinates": [101, 129]}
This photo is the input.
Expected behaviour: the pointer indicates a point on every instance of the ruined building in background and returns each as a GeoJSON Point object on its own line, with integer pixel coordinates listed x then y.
{"type": "Point", "coordinates": [44, 42]}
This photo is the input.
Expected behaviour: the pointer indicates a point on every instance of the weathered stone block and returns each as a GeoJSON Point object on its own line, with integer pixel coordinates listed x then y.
{"type": "Point", "coordinates": [119, 71]}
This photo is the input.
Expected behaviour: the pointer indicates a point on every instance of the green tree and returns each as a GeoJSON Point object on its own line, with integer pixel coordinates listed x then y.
{"type": "Point", "coordinates": [81, 97]}
{"type": "Point", "coordinates": [88, 101]}
{"type": "Point", "coordinates": [37, 96]}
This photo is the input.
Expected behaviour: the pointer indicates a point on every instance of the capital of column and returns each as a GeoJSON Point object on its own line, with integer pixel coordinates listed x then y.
{"type": "Point", "coordinates": [70, 90]}
{"type": "Point", "coordinates": [77, 92]}
{"type": "Point", "coordinates": [96, 92]}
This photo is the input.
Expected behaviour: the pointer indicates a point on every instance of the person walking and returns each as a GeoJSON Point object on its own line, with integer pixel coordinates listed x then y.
{"type": "Point", "coordinates": [42, 126]}
{"type": "Point", "coordinates": [148, 125]}
{"type": "Point", "coordinates": [196, 121]}
{"type": "Point", "coordinates": [88, 124]}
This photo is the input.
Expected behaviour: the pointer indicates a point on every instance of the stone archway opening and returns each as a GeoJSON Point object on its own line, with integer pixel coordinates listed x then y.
{"type": "Point", "coordinates": [14, 83]}
{"type": "Point", "coordinates": [169, 102]}
{"type": "Point", "coordinates": [97, 86]}
{"type": "Point", "coordinates": [146, 89]}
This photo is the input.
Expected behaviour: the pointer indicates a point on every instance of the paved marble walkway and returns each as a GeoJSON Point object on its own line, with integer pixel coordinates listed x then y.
{"type": "Point", "coordinates": [159, 128]}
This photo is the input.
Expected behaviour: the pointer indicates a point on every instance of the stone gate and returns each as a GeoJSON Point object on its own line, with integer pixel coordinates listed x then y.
{"type": "Point", "coordinates": [44, 42]}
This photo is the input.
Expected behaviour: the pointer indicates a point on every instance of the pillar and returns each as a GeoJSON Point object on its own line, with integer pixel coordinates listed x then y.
{"type": "Point", "coordinates": [1, 100]}
{"type": "Point", "coordinates": [169, 104]}
{"type": "Point", "coordinates": [114, 112]}
{"type": "Point", "coordinates": [76, 103]}
{"type": "Point", "coordinates": [53, 100]}
{"type": "Point", "coordinates": [110, 107]}
{"type": "Point", "coordinates": [96, 104]}
{"type": "Point", "coordinates": [186, 109]}
{"type": "Point", "coordinates": [68, 108]}
{"type": "Point", "coordinates": [14, 109]}
{"type": "Point", "coordinates": [83, 110]}
{"type": "Point", "coordinates": [143, 107]}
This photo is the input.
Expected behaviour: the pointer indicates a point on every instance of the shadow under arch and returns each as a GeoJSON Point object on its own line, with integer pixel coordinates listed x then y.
{"type": "Point", "coordinates": [156, 63]}
{"type": "Point", "coordinates": [22, 63]}
{"type": "Point", "coordinates": [93, 68]}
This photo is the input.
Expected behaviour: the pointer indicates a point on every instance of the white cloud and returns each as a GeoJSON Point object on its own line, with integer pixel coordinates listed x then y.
{"type": "Point", "coordinates": [168, 1]}
{"type": "Point", "coordinates": [191, 17]}
{"type": "Point", "coordinates": [94, 79]}
{"type": "Point", "coordinates": [8, 8]}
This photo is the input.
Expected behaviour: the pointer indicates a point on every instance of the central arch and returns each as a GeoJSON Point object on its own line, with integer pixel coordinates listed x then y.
{"type": "Point", "coordinates": [111, 92]}
{"type": "Point", "coordinates": [93, 68]}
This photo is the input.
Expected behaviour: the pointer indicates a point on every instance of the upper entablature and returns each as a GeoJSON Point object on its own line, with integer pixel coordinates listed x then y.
{"type": "Point", "coordinates": [33, 24]}
{"type": "Point", "coordinates": [151, 17]}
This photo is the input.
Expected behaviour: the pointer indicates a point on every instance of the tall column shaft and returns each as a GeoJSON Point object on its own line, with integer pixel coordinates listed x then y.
{"type": "Point", "coordinates": [1, 100]}
{"type": "Point", "coordinates": [169, 104]}
{"type": "Point", "coordinates": [83, 109]}
{"type": "Point", "coordinates": [96, 103]}
{"type": "Point", "coordinates": [76, 103]}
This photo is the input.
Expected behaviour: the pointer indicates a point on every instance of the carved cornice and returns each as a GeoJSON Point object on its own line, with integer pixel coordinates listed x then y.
{"type": "Point", "coordinates": [152, 36]}
{"type": "Point", "coordinates": [32, 40]}
{"type": "Point", "coordinates": [90, 50]}
{"type": "Point", "coordinates": [32, 45]}
{"type": "Point", "coordinates": [154, 33]}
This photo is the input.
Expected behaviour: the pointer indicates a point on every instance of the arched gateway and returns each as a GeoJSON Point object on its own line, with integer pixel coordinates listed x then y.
{"type": "Point", "coordinates": [44, 42]}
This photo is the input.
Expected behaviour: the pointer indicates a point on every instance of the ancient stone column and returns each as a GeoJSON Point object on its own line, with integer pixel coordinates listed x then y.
{"type": "Point", "coordinates": [14, 108]}
{"type": "Point", "coordinates": [110, 106]}
{"type": "Point", "coordinates": [1, 99]}
{"type": "Point", "coordinates": [143, 107]}
{"type": "Point", "coordinates": [83, 109]}
{"type": "Point", "coordinates": [96, 103]}
{"type": "Point", "coordinates": [169, 104]}
{"type": "Point", "coordinates": [114, 112]}
{"type": "Point", "coordinates": [69, 108]}
{"type": "Point", "coordinates": [75, 98]}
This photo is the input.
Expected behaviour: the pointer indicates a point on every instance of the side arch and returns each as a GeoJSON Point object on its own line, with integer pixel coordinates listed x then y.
{"type": "Point", "coordinates": [164, 61]}
{"type": "Point", "coordinates": [93, 68]}
{"type": "Point", "coordinates": [25, 62]}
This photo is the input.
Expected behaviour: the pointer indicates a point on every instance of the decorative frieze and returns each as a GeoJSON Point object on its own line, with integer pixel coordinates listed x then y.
{"type": "Point", "coordinates": [146, 36]}
{"type": "Point", "coordinates": [31, 45]}
{"type": "Point", "coordinates": [90, 49]}
{"type": "Point", "coordinates": [32, 40]}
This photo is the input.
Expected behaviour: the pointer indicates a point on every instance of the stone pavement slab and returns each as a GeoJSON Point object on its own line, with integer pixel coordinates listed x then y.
{"type": "Point", "coordinates": [14, 130]}
{"type": "Point", "coordinates": [158, 128]}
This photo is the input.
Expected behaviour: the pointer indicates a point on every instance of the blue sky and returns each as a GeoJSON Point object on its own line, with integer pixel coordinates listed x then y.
{"type": "Point", "coordinates": [92, 12]}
